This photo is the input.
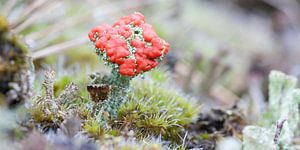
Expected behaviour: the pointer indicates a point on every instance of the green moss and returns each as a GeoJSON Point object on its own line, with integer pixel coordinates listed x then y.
{"type": "Point", "coordinates": [37, 113]}
{"type": "Point", "coordinates": [61, 83]}
{"type": "Point", "coordinates": [153, 109]}
{"type": "Point", "coordinates": [94, 129]}
{"type": "Point", "coordinates": [159, 75]}
{"type": "Point", "coordinates": [80, 79]}
{"type": "Point", "coordinates": [4, 25]}
{"type": "Point", "coordinates": [14, 67]}
{"type": "Point", "coordinates": [86, 57]}
{"type": "Point", "coordinates": [205, 136]}
{"type": "Point", "coordinates": [17, 42]}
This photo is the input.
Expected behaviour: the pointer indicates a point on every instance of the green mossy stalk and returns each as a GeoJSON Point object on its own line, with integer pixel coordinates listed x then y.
{"type": "Point", "coordinates": [118, 93]}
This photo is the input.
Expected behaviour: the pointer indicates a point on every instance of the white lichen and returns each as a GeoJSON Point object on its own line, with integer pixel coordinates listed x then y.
{"type": "Point", "coordinates": [283, 107]}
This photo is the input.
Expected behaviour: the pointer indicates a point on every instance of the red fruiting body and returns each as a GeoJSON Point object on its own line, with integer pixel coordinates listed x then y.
{"type": "Point", "coordinates": [148, 32]}
{"type": "Point", "coordinates": [131, 43]}
{"type": "Point", "coordinates": [127, 68]}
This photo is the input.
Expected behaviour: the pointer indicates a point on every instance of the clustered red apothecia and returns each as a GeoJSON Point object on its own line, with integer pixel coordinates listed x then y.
{"type": "Point", "coordinates": [130, 43]}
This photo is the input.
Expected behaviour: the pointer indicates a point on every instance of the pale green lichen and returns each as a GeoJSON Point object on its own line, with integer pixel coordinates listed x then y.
{"type": "Point", "coordinates": [47, 112]}
{"type": "Point", "coordinates": [284, 98]}
{"type": "Point", "coordinates": [258, 138]}
{"type": "Point", "coordinates": [283, 104]}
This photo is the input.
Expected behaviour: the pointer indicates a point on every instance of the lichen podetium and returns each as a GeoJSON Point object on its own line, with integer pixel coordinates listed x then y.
{"type": "Point", "coordinates": [130, 47]}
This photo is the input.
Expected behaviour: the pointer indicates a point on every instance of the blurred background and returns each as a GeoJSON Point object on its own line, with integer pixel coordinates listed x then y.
{"type": "Point", "coordinates": [221, 50]}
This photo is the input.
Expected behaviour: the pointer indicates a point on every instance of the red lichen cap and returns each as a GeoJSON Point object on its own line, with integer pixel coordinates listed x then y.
{"type": "Point", "coordinates": [128, 67]}
{"type": "Point", "coordinates": [148, 32]}
{"type": "Point", "coordinates": [133, 52]}
{"type": "Point", "coordinates": [135, 18]}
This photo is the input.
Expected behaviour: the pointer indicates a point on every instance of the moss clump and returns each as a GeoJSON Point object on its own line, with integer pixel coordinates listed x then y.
{"type": "Point", "coordinates": [61, 83]}
{"type": "Point", "coordinates": [14, 68]}
{"type": "Point", "coordinates": [153, 110]}
{"type": "Point", "coordinates": [94, 129]}
{"type": "Point", "coordinates": [4, 25]}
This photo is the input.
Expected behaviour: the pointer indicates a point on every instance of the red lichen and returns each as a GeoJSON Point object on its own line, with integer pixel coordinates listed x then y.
{"type": "Point", "coordinates": [132, 51]}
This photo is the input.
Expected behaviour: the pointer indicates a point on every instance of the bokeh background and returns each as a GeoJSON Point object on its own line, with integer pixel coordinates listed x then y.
{"type": "Point", "coordinates": [221, 50]}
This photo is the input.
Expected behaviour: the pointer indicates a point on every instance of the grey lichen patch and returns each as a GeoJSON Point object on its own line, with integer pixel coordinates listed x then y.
{"type": "Point", "coordinates": [258, 138]}
{"type": "Point", "coordinates": [48, 112]}
{"type": "Point", "coordinates": [284, 98]}
{"type": "Point", "coordinates": [15, 68]}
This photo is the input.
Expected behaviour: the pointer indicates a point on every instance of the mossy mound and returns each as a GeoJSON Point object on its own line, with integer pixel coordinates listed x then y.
{"type": "Point", "coordinates": [153, 110]}
{"type": "Point", "coordinates": [14, 67]}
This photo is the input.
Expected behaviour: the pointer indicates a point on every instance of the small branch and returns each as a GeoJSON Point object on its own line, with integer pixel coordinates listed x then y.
{"type": "Point", "coordinates": [279, 127]}
{"type": "Point", "coordinates": [25, 24]}
{"type": "Point", "coordinates": [194, 64]}
{"type": "Point", "coordinates": [59, 47]}
{"type": "Point", "coordinates": [32, 19]}
{"type": "Point", "coordinates": [70, 92]}
{"type": "Point", "coordinates": [8, 6]}
{"type": "Point", "coordinates": [49, 84]}
{"type": "Point", "coordinates": [35, 6]}
{"type": "Point", "coordinates": [72, 21]}
{"type": "Point", "coordinates": [58, 26]}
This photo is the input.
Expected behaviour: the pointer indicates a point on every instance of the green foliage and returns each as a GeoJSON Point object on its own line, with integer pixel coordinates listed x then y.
{"type": "Point", "coordinates": [153, 110]}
